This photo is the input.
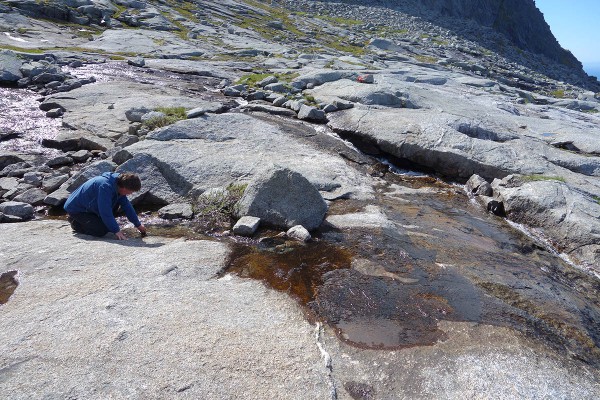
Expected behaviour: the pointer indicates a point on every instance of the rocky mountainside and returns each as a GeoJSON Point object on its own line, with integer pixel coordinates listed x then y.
{"type": "Point", "coordinates": [520, 21]}
{"type": "Point", "coordinates": [448, 171]}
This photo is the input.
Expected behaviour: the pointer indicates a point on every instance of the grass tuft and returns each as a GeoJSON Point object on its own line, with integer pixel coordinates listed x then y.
{"type": "Point", "coordinates": [543, 178]}
{"type": "Point", "coordinates": [220, 208]}
{"type": "Point", "coordinates": [172, 115]}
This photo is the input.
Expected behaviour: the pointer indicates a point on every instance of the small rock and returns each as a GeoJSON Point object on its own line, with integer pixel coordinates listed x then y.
{"type": "Point", "coordinates": [127, 140]}
{"type": "Point", "coordinates": [299, 85]}
{"type": "Point", "coordinates": [342, 105]}
{"type": "Point", "coordinates": [267, 81]}
{"type": "Point", "coordinates": [329, 108]}
{"type": "Point", "coordinates": [478, 186]}
{"type": "Point", "coordinates": [196, 112]}
{"type": "Point", "coordinates": [57, 198]}
{"type": "Point", "coordinates": [368, 78]}
{"type": "Point", "coordinates": [178, 210]}
{"type": "Point", "coordinates": [51, 183]}
{"type": "Point", "coordinates": [311, 114]}
{"type": "Point", "coordinates": [299, 233]}
{"type": "Point", "coordinates": [81, 156]}
{"type": "Point", "coordinates": [246, 226]}
{"type": "Point", "coordinates": [33, 196]}
{"type": "Point", "coordinates": [277, 87]}
{"type": "Point", "coordinates": [134, 128]}
{"type": "Point", "coordinates": [10, 218]}
{"type": "Point", "coordinates": [279, 101]}
{"type": "Point", "coordinates": [54, 113]}
{"type": "Point", "coordinates": [232, 91]}
{"type": "Point", "coordinates": [275, 25]}
{"type": "Point", "coordinates": [137, 62]}
{"type": "Point", "coordinates": [135, 114]}
{"type": "Point", "coordinates": [121, 156]}
{"type": "Point", "coordinates": [260, 95]}
{"type": "Point", "coordinates": [32, 178]}
{"type": "Point", "coordinates": [59, 161]}
{"type": "Point", "coordinates": [17, 209]}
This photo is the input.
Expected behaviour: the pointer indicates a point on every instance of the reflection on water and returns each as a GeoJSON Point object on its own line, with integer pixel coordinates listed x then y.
{"type": "Point", "coordinates": [21, 116]}
{"type": "Point", "coordinates": [8, 284]}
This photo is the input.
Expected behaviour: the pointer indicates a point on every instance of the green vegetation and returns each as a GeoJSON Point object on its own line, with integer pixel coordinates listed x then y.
{"type": "Point", "coordinates": [172, 115]}
{"type": "Point", "coordinates": [22, 49]}
{"type": "Point", "coordinates": [310, 100]}
{"type": "Point", "coordinates": [596, 199]}
{"type": "Point", "coordinates": [559, 94]}
{"type": "Point", "coordinates": [426, 59]}
{"type": "Point", "coordinates": [120, 10]}
{"type": "Point", "coordinates": [182, 31]}
{"type": "Point", "coordinates": [543, 178]}
{"type": "Point", "coordinates": [22, 31]}
{"type": "Point", "coordinates": [185, 8]}
{"type": "Point", "coordinates": [347, 48]}
{"type": "Point", "coordinates": [258, 22]}
{"type": "Point", "coordinates": [219, 208]}
{"type": "Point", "coordinates": [340, 20]}
{"type": "Point", "coordinates": [253, 79]}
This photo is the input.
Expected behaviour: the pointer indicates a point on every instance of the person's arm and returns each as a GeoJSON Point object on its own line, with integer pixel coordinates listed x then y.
{"type": "Point", "coordinates": [129, 211]}
{"type": "Point", "coordinates": [105, 208]}
{"type": "Point", "coordinates": [131, 214]}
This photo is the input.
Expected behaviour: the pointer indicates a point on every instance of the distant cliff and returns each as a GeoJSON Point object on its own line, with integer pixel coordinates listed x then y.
{"type": "Point", "coordinates": [519, 20]}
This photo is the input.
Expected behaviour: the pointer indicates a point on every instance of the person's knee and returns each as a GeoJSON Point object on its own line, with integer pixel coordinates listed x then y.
{"type": "Point", "coordinates": [97, 230]}
{"type": "Point", "coordinates": [88, 224]}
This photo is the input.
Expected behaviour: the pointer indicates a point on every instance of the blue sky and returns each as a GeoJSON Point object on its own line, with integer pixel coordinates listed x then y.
{"type": "Point", "coordinates": [576, 26]}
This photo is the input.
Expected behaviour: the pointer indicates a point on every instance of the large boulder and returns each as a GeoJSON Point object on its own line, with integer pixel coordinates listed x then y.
{"type": "Point", "coordinates": [10, 66]}
{"type": "Point", "coordinates": [94, 169]}
{"type": "Point", "coordinates": [161, 183]}
{"type": "Point", "coordinates": [283, 198]}
{"type": "Point", "coordinates": [215, 150]}
{"type": "Point", "coordinates": [570, 218]}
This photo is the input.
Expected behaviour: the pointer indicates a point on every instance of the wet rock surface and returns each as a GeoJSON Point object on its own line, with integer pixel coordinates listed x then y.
{"type": "Point", "coordinates": [410, 287]}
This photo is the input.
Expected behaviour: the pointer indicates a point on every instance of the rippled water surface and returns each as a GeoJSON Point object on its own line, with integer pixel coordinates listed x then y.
{"type": "Point", "coordinates": [24, 124]}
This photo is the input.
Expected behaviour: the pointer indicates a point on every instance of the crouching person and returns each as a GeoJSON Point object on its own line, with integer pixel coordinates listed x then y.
{"type": "Point", "coordinates": [91, 207]}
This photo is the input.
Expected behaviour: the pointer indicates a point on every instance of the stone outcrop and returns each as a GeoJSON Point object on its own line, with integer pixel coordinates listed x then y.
{"type": "Point", "coordinates": [569, 218]}
{"type": "Point", "coordinates": [283, 198]}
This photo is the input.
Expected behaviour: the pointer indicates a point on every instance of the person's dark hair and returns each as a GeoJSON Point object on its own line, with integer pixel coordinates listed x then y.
{"type": "Point", "coordinates": [129, 181]}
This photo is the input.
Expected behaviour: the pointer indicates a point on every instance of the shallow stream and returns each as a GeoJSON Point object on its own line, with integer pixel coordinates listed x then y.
{"type": "Point", "coordinates": [442, 257]}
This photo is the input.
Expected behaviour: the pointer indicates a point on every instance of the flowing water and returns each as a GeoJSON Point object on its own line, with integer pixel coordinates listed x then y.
{"type": "Point", "coordinates": [441, 258]}
{"type": "Point", "coordinates": [23, 125]}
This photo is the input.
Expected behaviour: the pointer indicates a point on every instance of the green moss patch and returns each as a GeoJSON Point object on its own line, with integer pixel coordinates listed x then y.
{"type": "Point", "coordinates": [543, 178]}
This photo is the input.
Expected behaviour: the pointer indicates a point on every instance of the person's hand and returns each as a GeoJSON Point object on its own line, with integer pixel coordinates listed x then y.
{"type": "Point", "coordinates": [120, 236]}
{"type": "Point", "coordinates": [142, 230]}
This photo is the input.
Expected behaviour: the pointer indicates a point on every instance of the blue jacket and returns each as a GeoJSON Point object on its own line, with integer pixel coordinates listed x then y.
{"type": "Point", "coordinates": [99, 196]}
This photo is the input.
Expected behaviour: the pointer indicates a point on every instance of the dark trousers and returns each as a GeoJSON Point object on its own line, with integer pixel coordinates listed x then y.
{"type": "Point", "coordinates": [88, 223]}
